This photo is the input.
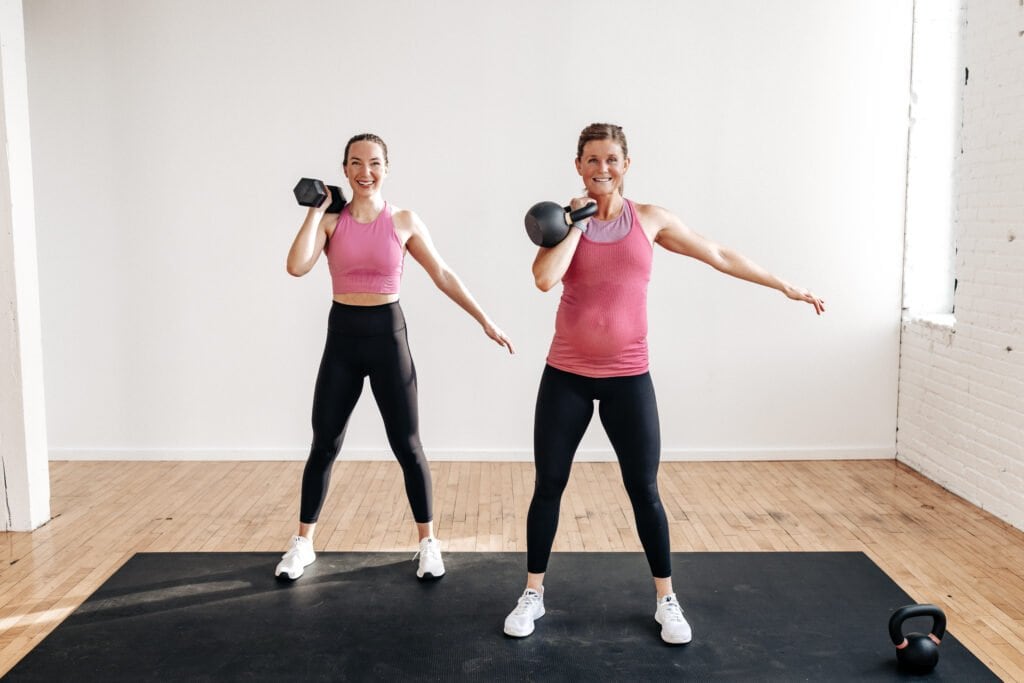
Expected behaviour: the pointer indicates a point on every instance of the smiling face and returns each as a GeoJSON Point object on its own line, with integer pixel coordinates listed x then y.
{"type": "Point", "coordinates": [602, 164]}
{"type": "Point", "coordinates": [365, 166]}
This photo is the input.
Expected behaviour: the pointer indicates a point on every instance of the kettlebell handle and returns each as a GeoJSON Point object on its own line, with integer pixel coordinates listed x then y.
{"type": "Point", "coordinates": [909, 612]}
{"type": "Point", "coordinates": [585, 211]}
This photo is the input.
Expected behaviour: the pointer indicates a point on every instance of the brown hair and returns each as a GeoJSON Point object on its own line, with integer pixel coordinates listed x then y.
{"type": "Point", "coordinates": [602, 131]}
{"type": "Point", "coordinates": [366, 137]}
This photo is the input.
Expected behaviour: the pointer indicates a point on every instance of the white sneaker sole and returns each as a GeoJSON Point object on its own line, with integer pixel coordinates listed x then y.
{"type": "Point", "coordinates": [510, 631]}
{"type": "Point", "coordinates": [292, 574]}
{"type": "Point", "coordinates": [667, 637]}
{"type": "Point", "coordinates": [427, 576]}
{"type": "Point", "coordinates": [517, 634]}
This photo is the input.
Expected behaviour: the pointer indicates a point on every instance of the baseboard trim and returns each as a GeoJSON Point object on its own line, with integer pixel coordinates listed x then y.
{"type": "Point", "coordinates": [477, 455]}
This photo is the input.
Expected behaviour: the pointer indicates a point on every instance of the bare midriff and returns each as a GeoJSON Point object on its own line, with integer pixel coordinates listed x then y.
{"type": "Point", "coordinates": [365, 299]}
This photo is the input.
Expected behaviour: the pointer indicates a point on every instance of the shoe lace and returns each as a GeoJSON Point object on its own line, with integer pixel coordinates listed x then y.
{"type": "Point", "coordinates": [293, 550]}
{"type": "Point", "coordinates": [433, 552]}
{"type": "Point", "coordinates": [526, 603]}
{"type": "Point", "coordinates": [672, 611]}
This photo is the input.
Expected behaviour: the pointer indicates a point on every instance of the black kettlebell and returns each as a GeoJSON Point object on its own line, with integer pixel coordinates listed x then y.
{"type": "Point", "coordinates": [547, 223]}
{"type": "Point", "coordinates": [916, 651]}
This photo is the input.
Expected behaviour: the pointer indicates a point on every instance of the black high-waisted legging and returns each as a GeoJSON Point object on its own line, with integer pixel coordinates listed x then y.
{"type": "Point", "coordinates": [629, 413]}
{"type": "Point", "coordinates": [366, 341]}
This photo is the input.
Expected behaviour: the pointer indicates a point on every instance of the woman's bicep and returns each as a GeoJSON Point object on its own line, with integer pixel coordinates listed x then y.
{"type": "Point", "coordinates": [422, 249]}
{"type": "Point", "coordinates": [324, 231]}
{"type": "Point", "coordinates": [677, 237]}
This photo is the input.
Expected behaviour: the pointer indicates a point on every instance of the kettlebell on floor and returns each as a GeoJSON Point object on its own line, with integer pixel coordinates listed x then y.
{"type": "Point", "coordinates": [917, 652]}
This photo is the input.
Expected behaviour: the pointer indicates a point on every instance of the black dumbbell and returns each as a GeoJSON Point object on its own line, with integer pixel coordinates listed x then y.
{"type": "Point", "coordinates": [313, 192]}
{"type": "Point", "coordinates": [547, 223]}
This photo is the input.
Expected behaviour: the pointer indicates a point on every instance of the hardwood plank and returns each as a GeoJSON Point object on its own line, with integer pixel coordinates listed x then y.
{"type": "Point", "coordinates": [935, 545]}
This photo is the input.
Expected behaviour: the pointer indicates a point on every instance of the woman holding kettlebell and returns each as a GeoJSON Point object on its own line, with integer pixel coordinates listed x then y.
{"type": "Point", "coordinates": [366, 337]}
{"type": "Point", "coordinates": [599, 352]}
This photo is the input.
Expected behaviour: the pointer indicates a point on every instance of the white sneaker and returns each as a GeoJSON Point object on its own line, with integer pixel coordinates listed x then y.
{"type": "Point", "coordinates": [529, 608]}
{"type": "Point", "coordinates": [298, 556]}
{"type": "Point", "coordinates": [431, 564]}
{"type": "Point", "coordinates": [674, 628]}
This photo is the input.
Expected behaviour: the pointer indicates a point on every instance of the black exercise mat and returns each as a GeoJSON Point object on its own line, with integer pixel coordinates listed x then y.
{"type": "Point", "coordinates": [364, 616]}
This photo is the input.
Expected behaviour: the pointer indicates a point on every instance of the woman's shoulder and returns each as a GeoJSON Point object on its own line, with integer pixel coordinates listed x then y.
{"type": "Point", "coordinates": [406, 222]}
{"type": "Point", "coordinates": [403, 217]}
{"type": "Point", "coordinates": [648, 210]}
{"type": "Point", "coordinates": [653, 218]}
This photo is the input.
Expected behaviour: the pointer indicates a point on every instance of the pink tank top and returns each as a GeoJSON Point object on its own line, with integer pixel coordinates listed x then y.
{"type": "Point", "coordinates": [601, 325]}
{"type": "Point", "coordinates": [365, 257]}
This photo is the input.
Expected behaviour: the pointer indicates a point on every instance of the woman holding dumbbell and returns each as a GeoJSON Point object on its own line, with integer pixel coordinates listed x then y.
{"type": "Point", "coordinates": [599, 352]}
{"type": "Point", "coordinates": [365, 246]}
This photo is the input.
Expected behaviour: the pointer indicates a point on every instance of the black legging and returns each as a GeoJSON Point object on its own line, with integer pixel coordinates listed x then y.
{"type": "Point", "coordinates": [629, 413]}
{"type": "Point", "coordinates": [366, 341]}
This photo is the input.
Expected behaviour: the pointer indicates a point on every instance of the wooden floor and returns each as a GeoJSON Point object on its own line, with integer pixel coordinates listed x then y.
{"type": "Point", "coordinates": [934, 545]}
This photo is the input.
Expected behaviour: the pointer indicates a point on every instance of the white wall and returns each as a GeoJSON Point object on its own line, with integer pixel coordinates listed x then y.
{"type": "Point", "coordinates": [961, 399]}
{"type": "Point", "coordinates": [24, 467]}
{"type": "Point", "coordinates": [168, 135]}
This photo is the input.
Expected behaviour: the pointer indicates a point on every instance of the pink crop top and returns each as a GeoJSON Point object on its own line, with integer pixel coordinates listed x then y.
{"type": "Point", "coordinates": [601, 324]}
{"type": "Point", "coordinates": [365, 257]}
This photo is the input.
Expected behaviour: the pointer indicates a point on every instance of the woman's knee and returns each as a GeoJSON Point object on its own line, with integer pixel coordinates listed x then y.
{"type": "Point", "coordinates": [549, 486]}
{"type": "Point", "coordinates": [643, 493]}
{"type": "Point", "coordinates": [409, 452]}
{"type": "Point", "coordinates": [321, 456]}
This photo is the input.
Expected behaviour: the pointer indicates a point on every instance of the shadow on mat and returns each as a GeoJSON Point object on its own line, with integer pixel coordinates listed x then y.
{"type": "Point", "coordinates": [203, 589]}
{"type": "Point", "coordinates": [364, 616]}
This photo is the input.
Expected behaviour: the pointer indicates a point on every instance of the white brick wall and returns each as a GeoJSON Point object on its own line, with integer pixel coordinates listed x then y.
{"type": "Point", "coordinates": [961, 389]}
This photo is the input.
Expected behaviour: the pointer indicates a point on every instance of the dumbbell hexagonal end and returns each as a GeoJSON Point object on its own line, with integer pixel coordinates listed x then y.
{"type": "Point", "coordinates": [310, 192]}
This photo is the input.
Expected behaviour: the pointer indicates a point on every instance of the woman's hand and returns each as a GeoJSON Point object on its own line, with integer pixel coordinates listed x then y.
{"type": "Point", "coordinates": [492, 331]}
{"type": "Point", "coordinates": [579, 203]}
{"type": "Point", "coordinates": [797, 294]}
